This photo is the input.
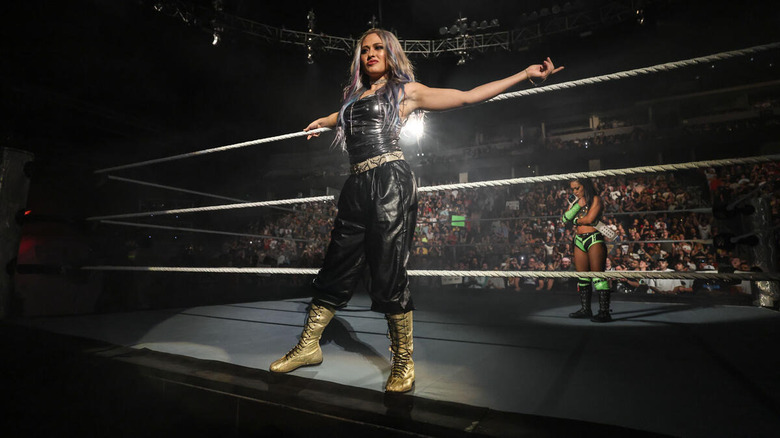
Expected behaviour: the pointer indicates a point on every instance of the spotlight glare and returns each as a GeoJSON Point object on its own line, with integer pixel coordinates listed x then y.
{"type": "Point", "coordinates": [414, 128]}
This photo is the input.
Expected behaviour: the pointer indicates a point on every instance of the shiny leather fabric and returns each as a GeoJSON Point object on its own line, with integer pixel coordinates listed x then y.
{"type": "Point", "coordinates": [365, 135]}
{"type": "Point", "coordinates": [377, 213]}
{"type": "Point", "coordinates": [374, 228]}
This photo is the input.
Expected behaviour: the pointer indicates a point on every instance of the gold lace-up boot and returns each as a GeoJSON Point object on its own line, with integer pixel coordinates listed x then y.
{"type": "Point", "coordinates": [402, 371]}
{"type": "Point", "coordinates": [308, 351]}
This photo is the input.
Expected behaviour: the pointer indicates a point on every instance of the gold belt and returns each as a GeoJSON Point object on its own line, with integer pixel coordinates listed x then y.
{"type": "Point", "coordinates": [373, 162]}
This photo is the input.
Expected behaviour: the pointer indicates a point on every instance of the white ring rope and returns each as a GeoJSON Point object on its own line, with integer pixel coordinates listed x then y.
{"type": "Point", "coordinates": [757, 276]}
{"type": "Point", "coordinates": [638, 72]}
{"type": "Point", "coordinates": [197, 230]}
{"type": "Point", "coordinates": [176, 189]}
{"type": "Point", "coordinates": [564, 85]}
{"type": "Point", "coordinates": [217, 149]}
{"type": "Point", "coordinates": [647, 212]}
{"type": "Point", "coordinates": [480, 184]}
{"type": "Point", "coordinates": [606, 215]}
{"type": "Point", "coordinates": [218, 207]}
{"type": "Point", "coordinates": [179, 189]}
{"type": "Point", "coordinates": [604, 173]}
{"type": "Point", "coordinates": [704, 241]}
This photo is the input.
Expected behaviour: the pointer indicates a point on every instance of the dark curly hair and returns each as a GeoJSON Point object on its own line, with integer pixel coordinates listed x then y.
{"type": "Point", "coordinates": [589, 187]}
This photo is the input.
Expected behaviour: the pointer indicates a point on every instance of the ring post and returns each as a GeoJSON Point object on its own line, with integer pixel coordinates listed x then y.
{"type": "Point", "coordinates": [14, 184]}
{"type": "Point", "coordinates": [765, 252]}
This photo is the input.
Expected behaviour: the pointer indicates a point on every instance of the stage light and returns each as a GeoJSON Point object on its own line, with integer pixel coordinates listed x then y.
{"type": "Point", "coordinates": [463, 27]}
{"type": "Point", "coordinates": [312, 20]}
{"type": "Point", "coordinates": [640, 16]}
{"type": "Point", "coordinates": [217, 39]}
{"type": "Point", "coordinates": [414, 127]}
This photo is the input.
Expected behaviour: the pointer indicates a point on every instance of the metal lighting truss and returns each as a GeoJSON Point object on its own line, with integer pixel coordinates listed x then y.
{"type": "Point", "coordinates": [583, 21]}
{"type": "Point", "coordinates": [426, 48]}
{"type": "Point", "coordinates": [470, 43]}
{"type": "Point", "coordinates": [531, 32]}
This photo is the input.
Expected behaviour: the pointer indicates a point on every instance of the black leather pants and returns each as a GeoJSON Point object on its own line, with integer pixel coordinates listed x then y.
{"type": "Point", "coordinates": [374, 228]}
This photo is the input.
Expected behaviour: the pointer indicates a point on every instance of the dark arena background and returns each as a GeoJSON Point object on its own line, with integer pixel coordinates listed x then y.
{"type": "Point", "coordinates": [96, 342]}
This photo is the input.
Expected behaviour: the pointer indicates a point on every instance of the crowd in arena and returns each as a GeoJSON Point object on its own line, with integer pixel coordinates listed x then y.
{"type": "Point", "coordinates": [664, 221]}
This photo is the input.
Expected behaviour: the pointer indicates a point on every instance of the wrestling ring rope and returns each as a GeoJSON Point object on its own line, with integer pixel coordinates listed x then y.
{"type": "Point", "coordinates": [479, 184]}
{"type": "Point", "coordinates": [753, 276]}
{"type": "Point", "coordinates": [198, 230]}
{"type": "Point", "coordinates": [618, 275]}
{"type": "Point", "coordinates": [563, 85]}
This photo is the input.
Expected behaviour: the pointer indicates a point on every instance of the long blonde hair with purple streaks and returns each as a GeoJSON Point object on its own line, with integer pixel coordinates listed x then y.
{"type": "Point", "coordinates": [400, 72]}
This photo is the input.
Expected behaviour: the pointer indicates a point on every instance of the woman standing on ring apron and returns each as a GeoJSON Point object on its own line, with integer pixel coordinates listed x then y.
{"type": "Point", "coordinates": [590, 251]}
{"type": "Point", "coordinates": [377, 207]}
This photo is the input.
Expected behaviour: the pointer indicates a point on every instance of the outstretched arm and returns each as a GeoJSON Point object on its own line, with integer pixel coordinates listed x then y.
{"type": "Point", "coordinates": [420, 97]}
{"type": "Point", "coordinates": [324, 122]}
